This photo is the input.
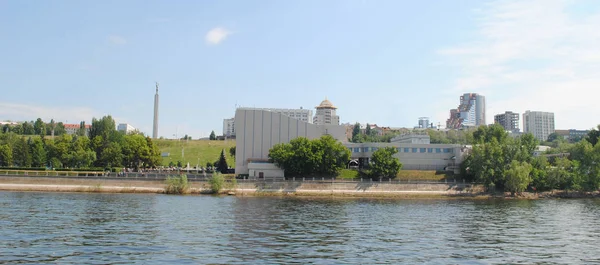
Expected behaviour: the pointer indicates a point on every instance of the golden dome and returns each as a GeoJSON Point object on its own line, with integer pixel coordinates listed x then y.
{"type": "Point", "coordinates": [326, 104]}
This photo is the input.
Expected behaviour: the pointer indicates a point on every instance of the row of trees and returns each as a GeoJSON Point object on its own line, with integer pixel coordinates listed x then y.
{"type": "Point", "coordinates": [37, 127]}
{"type": "Point", "coordinates": [508, 163]}
{"type": "Point", "coordinates": [105, 147]}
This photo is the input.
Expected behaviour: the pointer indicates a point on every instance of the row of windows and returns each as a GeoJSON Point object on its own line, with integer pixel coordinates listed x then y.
{"type": "Point", "coordinates": [403, 150]}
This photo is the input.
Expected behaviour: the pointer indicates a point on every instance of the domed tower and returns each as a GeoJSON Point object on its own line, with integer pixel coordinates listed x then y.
{"type": "Point", "coordinates": [326, 114]}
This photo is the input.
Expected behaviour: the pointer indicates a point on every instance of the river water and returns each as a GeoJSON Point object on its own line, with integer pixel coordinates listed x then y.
{"type": "Point", "coordinates": [92, 228]}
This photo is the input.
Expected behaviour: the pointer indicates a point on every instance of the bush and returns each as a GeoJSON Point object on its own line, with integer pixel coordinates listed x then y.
{"type": "Point", "coordinates": [216, 182]}
{"type": "Point", "coordinates": [177, 185]}
{"type": "Point", "coordinates": [24, 168]}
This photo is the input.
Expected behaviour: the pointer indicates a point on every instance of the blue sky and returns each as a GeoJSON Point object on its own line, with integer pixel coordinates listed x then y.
{"type": "Point", "coordinates": [383, 62]}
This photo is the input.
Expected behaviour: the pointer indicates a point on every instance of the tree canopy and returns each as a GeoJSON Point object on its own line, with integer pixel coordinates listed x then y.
{"type": "Point", "coordinates": [384, 164]}
{"type": "Point", "coordinates": [302, 157]}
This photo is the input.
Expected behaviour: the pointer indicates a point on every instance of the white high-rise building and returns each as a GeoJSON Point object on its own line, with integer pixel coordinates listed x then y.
{"type": "Point", "coordinates": [326, 114]}
{"type": "Point", "coordinates": [229, 127]}
{"type": "Point", "coordinates": [538, 123]}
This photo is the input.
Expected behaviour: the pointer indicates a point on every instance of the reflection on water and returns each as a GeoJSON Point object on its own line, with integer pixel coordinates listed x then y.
{"type": "Point", "coordinates": [79, 228]}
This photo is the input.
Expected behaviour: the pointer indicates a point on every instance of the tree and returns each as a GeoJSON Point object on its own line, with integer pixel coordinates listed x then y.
{"type": "Point", "coordinates": [368, 130]}
{"type": "Point", "coordinates": [38, 153]}
{"type": "Point", "coordinates": [212, 136]}
{"type": "Point", "coordinates": [222, 163]}
{"type": "Point", "coordinates": [232, 151]}
{"type": "Point", "coordinates": [355, 132]}
{"type": "Point", "coordinates": [6, 155]}
{"type": "Point", "coordinates": [39, 127]}
{"type": "Point", "coordinates": [517, 176]}
{"type": "Point", "coordinates": [555, 136]}
{"type": "Point", "coordinates": [81, 131]}
{"type": "Point", "coordinates": [593, 136]}
{"type": "Point", "coordinates": [60, 129]}
{"type": "Point", "coordinates": [17, 129]}
{"type": "Point", "coordinates": [28, 128]}
{"type": "Point", "coordinates": [21, 153]}
{"type": "Point", "coordinates": [384, 162]}
{"type": "Point", "coordinates": [303, 157]}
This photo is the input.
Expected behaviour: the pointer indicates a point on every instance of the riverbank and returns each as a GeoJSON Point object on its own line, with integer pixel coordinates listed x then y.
{"type": "Point", "coordinates": [281, 188]}
{"type": "Point", "coordinates": [246, 188]}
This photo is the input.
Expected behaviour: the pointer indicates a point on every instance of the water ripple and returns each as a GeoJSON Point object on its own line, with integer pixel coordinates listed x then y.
{"type": "Point", "coordinates": [78, 228]}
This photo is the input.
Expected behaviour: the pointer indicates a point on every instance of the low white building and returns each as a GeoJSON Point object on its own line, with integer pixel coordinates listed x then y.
{"type": "Point", "coordinates": [125, 127]}
{"type": "Point", "coordinates": [74, 128]}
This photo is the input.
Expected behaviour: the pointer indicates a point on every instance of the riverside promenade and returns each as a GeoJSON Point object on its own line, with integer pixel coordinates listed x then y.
{"type": "Point", "coordinates": [199, 184]}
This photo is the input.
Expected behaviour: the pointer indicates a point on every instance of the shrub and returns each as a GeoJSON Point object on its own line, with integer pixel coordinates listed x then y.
{"type": "Point", "coordinates": [216, 182]}
{"type": "Point", "coordinates": [177, 185]}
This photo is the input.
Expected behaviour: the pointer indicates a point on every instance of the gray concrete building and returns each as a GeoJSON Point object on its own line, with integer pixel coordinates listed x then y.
{"type": "Point", "coordinates": [258, 130]}
{"type": "Point", "coordinates": [509, 120]}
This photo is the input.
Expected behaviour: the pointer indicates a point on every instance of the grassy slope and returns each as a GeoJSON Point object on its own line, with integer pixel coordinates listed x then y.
{"type": "Point", "coordinates": [205, 150]}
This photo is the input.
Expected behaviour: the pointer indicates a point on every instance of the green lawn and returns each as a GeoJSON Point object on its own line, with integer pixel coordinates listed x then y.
{"type": "Point", "coordinates": [195, 151]}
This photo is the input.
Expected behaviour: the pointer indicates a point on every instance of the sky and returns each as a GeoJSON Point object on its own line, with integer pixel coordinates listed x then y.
{"type": "Point", "coordinates": [385, 62]}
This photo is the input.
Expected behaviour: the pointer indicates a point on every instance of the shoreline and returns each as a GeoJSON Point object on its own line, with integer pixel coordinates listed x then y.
{"type": "Point", "coordinates": [280, 189]}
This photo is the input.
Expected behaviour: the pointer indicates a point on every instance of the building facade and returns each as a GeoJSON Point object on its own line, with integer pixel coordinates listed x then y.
{"type": "Point", "coordinates": [470, 112]}
{"type": "Point", "coordinates": [538, 123]}
{"type": "Point", "coordinates": [125, 128]}
{"type": "Point", "coordinates": [229, 127]}
{"type": "Point", "coordinates": [443, 157]}
{"type": "Point", "coordinates": [74, 128]}
{"type": "Point", "coordinates": [509, 120]}
{"type": "Point", "coordinates": [326, 114]}
{"type": "Point", "coordinates": [258, 130]}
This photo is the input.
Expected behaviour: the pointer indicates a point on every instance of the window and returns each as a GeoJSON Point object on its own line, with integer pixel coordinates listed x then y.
{"type": "Point", "coordinates": [414, 150]}
{"type": "Point", "coordinates": [350, 149]}
{"type": "Point", "coordinates": [429, 150]}
{"type": "Point", "coordinates": [438, 150]}
{"type": "Point", "coordinates": [399, 149]}
{"type": "Point", "coordinates": [447, 150]}
{"type": "Point", "coordinates": [356, 149]}
{"type": "Point", "coordinates": [422, 150]}
{"type": "Point", "coordinates": [406, 150]}
{"type": "Point", "coordinates": [373, 149]}
{"type": "Point", "coordinates": [365, 149]}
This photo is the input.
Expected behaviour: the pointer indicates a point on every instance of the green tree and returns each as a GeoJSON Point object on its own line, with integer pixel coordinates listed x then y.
{"type": "Point", "coordinates": [303, 157]}
{"type": "Point", "coordinates": [384, 164]}
{"type": "Point", "coordinates": [112, 155]}
{"type": "Point", "coordinates": [212, 136]}
{"type": "Point", "coordinates": [60, 129]}
{"type": "Point", "coordinates": [517, 176]}
{"type": "Point", "coordinates": [555, 136]}
{"type": "Point", "coordinates": [39, 127]}
{"type": "Point", "coordinates": [368, 130]}
{"type": "Point", "coordinates": [17, 129]}
{"type": "Point", "coordinates": [355, 133]}
{"type": "Point", "coordinates": [232, 151]}
{"type": "Point", "coordinates": [28, 128]}
{"type": "Point", "coordinates": [331, 157]}
{"type": "Point", "coordinates": [21, 153]}
{"type": "Point", "coordinates": [38, 153]}
{"type": "Point", "coordinates": [6, 155]}
{"type": "Point", "coordinates": [81, 131]}
{"type": "Point", "coordinates": [222, 163]}
{"type": "Point", "coordinates": [593, 136]}
{"type": "Point", "coordinates": [135, 151]}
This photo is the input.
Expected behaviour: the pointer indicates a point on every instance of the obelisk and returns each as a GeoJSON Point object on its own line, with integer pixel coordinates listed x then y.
{"type": "Point", "coordinates": [155, 125]}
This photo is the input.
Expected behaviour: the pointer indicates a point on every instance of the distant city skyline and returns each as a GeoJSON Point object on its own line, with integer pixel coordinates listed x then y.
{"type": "Point", "coordinates": [385, 62]}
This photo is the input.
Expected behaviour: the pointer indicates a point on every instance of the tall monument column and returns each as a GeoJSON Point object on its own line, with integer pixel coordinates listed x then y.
{"type": "Point", "coordinates": [155, 125]}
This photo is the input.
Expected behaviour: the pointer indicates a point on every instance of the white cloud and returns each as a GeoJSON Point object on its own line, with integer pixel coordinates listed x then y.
{"type": "Point", "coordinates": [117, 40]}
{"type": "Point", "coordinates": [23, 112]}
{"type": "Point", "coordinates": [217, 35]}
{"type": "Point", "coordinates": [532, 55]}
